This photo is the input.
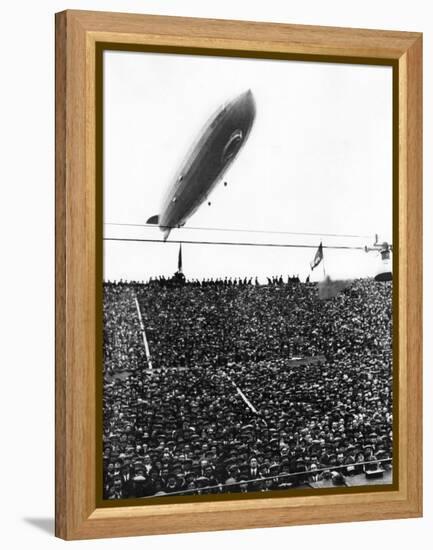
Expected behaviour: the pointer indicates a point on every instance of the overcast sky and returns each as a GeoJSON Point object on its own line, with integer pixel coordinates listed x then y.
{"type": "Point", "coordinates": [318, 160]}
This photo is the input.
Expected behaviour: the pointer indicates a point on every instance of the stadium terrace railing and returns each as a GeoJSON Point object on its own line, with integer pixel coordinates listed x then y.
{"type": "Point", "coordinates": [307, 473]}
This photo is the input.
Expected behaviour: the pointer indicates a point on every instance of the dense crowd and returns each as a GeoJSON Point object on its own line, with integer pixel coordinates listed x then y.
{"type": "Point", "coordinates": [225, 402]}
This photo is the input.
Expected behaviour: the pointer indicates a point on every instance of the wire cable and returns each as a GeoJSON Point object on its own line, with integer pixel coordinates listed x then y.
{"type": "Point", "coordinates": [240, 230]}
{"type": "Point", "coordinates": [228, 243]}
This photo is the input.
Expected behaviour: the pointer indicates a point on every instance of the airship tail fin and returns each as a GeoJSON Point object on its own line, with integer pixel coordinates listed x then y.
{"type": "Point", "coordinates": [153, 220]}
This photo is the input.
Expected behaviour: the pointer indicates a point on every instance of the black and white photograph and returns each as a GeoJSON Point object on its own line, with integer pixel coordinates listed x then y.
{"type": "Point", "coordinates": [247, 276]}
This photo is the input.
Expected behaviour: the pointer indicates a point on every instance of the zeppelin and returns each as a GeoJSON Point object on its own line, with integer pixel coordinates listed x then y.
{"type": "Point", "coordinates": [211, 154]}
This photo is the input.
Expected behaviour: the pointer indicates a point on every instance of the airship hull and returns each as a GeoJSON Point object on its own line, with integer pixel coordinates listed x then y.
{"type": "Point", "coordinates": [215, 149]}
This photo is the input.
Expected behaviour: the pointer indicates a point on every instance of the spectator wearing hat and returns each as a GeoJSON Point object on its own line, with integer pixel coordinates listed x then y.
{"type": "Point", "coordinates": [309, 413]}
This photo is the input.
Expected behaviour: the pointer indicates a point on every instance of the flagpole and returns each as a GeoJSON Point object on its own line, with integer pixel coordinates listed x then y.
{"type": "Point", "coordinates": [323, 262]}
{"type": "Point", "coordinates": [179, 260]}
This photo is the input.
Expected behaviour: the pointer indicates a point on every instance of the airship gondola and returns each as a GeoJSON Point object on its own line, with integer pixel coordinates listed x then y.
{"type": "Point", "coordinates": [212, 153]}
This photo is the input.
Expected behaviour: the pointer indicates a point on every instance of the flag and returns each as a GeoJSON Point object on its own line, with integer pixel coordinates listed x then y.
{"type": "Point", "coordinates": [179, 259]}
{"type": "Point", "coordinates": [317, 258]}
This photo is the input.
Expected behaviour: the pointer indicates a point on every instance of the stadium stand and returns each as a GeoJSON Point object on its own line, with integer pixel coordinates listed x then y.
{"type": "Point", "coordinates": [252, 387]}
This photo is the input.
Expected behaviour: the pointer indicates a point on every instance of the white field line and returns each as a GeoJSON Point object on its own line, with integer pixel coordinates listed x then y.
{"type": "Point", "coordinates": [243, 396]}
{"type": "Point", "coordinates": [143, 332]}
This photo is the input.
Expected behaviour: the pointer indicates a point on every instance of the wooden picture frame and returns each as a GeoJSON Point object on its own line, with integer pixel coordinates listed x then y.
{"type": "Point", "coordinates": [80, 38]}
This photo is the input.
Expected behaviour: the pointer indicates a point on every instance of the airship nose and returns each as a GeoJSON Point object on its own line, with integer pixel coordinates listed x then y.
{"type": "Point", "coordinates": [247, 96]}
{"type": "Point", "coordinates": [246, 100]}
